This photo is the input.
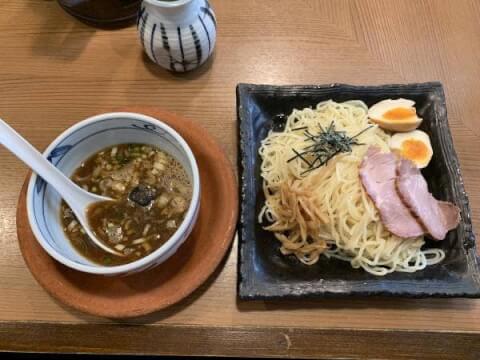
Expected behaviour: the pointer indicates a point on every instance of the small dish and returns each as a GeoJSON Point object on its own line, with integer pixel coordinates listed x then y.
{"type": "Point", "coordinates": [173, 280]}
{"type": "Point", "coordinates": [266, 274]}
{"type": "Point", "coordinates": [77, 144]}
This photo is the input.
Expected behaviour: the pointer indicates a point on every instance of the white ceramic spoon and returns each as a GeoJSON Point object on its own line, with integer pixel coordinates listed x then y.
{"type": "Point", "coordinates": [77, 198]}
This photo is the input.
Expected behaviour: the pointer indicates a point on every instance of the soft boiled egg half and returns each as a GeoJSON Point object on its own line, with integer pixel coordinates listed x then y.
{"type": "Point", "coordinates": [414, 145]}
{"type": "Point", "coordinates": [395, 115]}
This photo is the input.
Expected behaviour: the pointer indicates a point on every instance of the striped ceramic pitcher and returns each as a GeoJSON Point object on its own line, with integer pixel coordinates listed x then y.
{"type": "Point", "coordinates": [178, 35]}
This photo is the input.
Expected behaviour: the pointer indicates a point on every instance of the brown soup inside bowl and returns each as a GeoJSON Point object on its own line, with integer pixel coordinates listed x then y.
{"type": "Point", "coordinates": [152, 192]}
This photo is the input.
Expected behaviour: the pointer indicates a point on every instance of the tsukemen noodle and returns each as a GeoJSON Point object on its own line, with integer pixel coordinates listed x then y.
{"type": "Point", "coordinates": [152, 193]}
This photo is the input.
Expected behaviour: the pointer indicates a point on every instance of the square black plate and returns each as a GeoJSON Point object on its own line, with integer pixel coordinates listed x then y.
{"type": "Point", "coordinates": [266, 274]}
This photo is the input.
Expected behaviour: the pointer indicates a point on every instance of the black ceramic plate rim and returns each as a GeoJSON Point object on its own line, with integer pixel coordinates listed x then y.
{"type": "Point", "coordinates": [248, 290]}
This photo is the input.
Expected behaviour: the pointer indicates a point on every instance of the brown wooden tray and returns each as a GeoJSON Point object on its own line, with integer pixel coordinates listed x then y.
{"type": "Point", "coordinates": [170, 282]}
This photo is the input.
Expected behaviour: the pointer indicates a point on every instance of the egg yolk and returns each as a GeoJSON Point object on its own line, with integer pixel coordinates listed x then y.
{"type": "Point", "coordinates": [399, 113]}
{"type": "Point", "coordinates": [414, 150]}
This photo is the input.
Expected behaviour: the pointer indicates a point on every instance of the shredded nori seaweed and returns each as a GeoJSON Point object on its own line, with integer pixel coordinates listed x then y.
{"type": "Point", "coordinates": [325, 145]}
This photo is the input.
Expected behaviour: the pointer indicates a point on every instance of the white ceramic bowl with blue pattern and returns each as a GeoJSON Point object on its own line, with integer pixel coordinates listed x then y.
{"type": "Point", "coordinates": [77, 144]}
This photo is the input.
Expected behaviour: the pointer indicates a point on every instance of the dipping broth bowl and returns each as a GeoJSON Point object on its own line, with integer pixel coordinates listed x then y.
{"type": "Point", "coordinates": [77, 144]}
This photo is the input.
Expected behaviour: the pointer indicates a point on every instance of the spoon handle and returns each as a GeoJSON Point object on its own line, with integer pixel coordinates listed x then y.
{"type": "Point", "coordinates": [32, 158]}
{"type": "Point", "coordinates": [75, 196]}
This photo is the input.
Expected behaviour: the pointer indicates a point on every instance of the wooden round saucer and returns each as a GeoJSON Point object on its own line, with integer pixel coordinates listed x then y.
{"type": "Point", "coordinates": [170, 282]}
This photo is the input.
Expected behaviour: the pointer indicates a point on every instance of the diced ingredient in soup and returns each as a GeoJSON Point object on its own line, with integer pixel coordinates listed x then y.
{"type": "Point", "coordinates": [142, 195]}
{"type": "Point", "coordinates": [152, 193]}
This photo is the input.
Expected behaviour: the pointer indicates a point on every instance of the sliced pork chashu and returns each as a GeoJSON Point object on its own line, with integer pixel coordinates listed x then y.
{"type": "Point", "coordinates": [437, 217]}
{"type": "Point", "coordinates": [378, 173]}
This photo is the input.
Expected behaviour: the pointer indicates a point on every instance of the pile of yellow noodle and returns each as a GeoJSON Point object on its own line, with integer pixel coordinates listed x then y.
{"type": "Point", "coordinates": [326, 211]}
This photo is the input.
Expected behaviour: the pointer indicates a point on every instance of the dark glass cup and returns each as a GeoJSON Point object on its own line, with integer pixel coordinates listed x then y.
{"type": "Point", "coordinates": [103, 12]}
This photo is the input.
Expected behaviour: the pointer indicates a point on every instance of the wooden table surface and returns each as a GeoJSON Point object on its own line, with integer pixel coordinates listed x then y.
{"type": "Point", "coordinates": [55, 71]}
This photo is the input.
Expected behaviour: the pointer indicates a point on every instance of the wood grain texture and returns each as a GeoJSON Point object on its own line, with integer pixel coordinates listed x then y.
{"type": "Point", "coordinates": [243, 341]}
{"type": "Point", "coordinates": [55, 71]}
